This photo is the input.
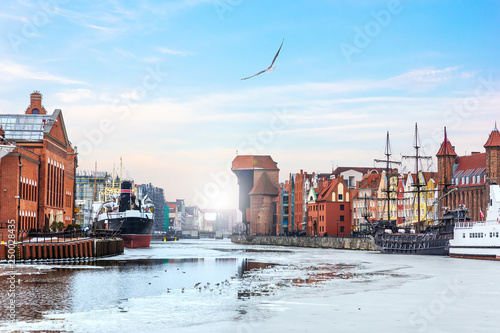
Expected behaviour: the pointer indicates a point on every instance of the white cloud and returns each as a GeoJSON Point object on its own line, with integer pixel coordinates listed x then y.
{"type": "Point", "coordinates": [164, 50]}
{"type": "Point", "coordinates": [75, 95]}
{"type": "Point", "coordinates": [10, 71]}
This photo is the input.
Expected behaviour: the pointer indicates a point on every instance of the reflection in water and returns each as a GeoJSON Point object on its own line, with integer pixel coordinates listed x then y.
{"type": "Point", "coordinates": [38, 292]}
{"type": "Point", "coordinates": [105, 284]}
{"type": "Point", "coordinates": [111, 283]}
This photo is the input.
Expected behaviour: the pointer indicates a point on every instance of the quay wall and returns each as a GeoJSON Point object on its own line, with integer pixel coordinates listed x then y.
{"type": "Point", "coordinates": [76, 249]}
{"type": "Point", "coordinates": [344, 243]}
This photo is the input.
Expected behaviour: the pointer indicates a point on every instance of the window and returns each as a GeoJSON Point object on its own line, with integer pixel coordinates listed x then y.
{"type": "Point", "coordinates": [464, 234]}
{"type": "Point", "coordinates": [340, 197]}
{"type": "Point", "coordinates": [341, 207]}
{"type": "Point", "coordinates": [341, 229]}
{"type": "Point", "coordinates": [341, 217]}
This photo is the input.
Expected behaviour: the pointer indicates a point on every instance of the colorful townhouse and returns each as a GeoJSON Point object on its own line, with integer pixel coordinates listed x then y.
{"type": "Point", "coordinates": [329, 211]}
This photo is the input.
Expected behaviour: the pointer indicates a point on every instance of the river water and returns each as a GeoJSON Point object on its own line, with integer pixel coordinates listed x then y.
{"type": "Point", "coordinates": [217, 286]}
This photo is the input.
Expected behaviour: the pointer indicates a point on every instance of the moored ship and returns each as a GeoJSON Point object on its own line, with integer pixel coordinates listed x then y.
{"type": "Point", "coordinates": [434, 241]}
{"type": "Point", "coordinates": [479, 239]}
{"type": "Point", "coordinates": [132, 221]}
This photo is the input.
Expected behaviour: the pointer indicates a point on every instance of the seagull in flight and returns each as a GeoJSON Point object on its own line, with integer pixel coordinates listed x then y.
{"type": "Point", "coordinates": [270, 68]}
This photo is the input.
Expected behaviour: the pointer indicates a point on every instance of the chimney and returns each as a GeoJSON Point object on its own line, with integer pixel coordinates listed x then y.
{"type": "Point", "coordinates": [36, 104]}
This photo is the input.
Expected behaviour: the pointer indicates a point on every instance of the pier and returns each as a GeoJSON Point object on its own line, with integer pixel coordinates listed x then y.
{"type": "Point", "coordinates": [71, 249]}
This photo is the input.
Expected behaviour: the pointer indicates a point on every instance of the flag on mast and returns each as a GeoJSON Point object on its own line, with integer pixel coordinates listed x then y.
{"type": "Point", "coordinates": [481, 213]}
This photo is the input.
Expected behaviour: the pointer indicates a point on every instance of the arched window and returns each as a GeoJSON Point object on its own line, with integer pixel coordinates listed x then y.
{"type": "Point", "coordinates": [35, 111]}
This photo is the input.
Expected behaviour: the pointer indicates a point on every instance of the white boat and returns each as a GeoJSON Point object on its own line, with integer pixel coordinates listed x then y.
{"type": "Point", "coordinates": [479, 239]}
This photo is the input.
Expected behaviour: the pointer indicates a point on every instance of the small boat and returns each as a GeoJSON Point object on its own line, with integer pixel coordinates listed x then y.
{"type": "Point", "coordinates": [132, 221]}
{"type": "Point", "coordinates": [479, 239]}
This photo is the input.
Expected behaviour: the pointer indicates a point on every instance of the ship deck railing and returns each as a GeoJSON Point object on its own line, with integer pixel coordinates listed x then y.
{"type": "Point", "coordinates": [470, 224]}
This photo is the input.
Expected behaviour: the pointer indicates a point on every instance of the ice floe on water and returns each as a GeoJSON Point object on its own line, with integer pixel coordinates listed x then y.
{"type": "Point", "coordinates": [217, 286]}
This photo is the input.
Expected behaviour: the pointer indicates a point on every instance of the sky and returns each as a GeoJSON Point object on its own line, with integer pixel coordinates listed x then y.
{"type": "Point", "coordinates": [158, 83]}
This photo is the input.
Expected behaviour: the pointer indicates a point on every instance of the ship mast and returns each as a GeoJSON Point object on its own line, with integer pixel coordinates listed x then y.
{"type": "Point", "coordinates": [417, 158]}
{"type": "Point", "coordinates": [388, 163]}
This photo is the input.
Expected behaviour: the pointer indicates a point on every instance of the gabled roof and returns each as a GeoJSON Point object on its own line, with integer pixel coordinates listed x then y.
{"type": "Point", "coordinates": [251, 162]}
{"type": "Point", "coordinates": [494, 139]}
{"type": "Point", "coordinates": [312, 195]}
{"type": "Point", "coordinates": [264, 186]}
{"type": "Point", "coordinates": [327, 190]}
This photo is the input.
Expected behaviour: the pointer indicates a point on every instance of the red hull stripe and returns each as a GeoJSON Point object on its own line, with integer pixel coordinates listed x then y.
{"type": "Point", "coordinates": [132, 241]}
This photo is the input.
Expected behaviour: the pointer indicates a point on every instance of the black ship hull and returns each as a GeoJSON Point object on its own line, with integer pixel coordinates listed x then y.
{"type": "Point", "coordinates": [135, 231]}
{"type": "Point", "coordinates": [434, 241]}
{"type": "Point", "coordinates": [416, 244]}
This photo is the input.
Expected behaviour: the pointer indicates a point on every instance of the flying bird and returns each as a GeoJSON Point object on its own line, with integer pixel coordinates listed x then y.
{"type": "Point", "coordinates": [270, 68]}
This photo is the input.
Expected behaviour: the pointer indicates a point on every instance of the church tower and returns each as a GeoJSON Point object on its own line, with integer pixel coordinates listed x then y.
{"type": "Point", "coordinates": [446, 159]}
{"type": "Point", "coordinates": [492, 147]}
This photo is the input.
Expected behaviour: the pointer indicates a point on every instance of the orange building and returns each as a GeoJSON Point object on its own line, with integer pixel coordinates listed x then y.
{"type": "Point", "coordinates": [258, 180]}
{"type": "Point", "coordinates": [37, 177]}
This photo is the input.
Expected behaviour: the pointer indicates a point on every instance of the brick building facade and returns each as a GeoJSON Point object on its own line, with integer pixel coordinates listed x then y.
{"type": "Point", "coordinates": [466, 179]}
{"type": "Point", "coordinates": [37, 178]}
{"type": "Point", "coordinates": [258, 180]}
{"type": "Point", "coordinates": [329, 213]}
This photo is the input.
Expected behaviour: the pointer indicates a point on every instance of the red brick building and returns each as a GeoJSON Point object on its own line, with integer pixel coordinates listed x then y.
{"type": "Point", "coordinates": [330, 213]}
{"type": "Point", "coordinates": [258, 180]}
{"type": "Point", "coordinates": [466, 179]}
{"type": "Point", "coordinates": [37, 177]}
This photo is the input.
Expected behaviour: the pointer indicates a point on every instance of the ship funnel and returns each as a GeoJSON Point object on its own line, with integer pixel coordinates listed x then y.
{"type": "Point", "coordinates": [126, 196]}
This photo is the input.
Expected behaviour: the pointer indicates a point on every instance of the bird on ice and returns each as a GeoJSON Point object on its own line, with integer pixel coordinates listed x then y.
{"type": "Point", "coordinates": [270, 68]}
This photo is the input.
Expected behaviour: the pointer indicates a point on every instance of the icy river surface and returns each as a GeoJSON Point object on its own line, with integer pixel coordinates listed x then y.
{"type": "Point", "coordinates": [216, 286]}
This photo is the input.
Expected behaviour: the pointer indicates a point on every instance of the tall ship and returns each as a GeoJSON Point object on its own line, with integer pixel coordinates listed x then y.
{"type": "Point", "coordinates": [127, 216]}
{"type": "Point", "coordinates": [432, 239]}
{"type": "Point", "coordinates": [479, 239]}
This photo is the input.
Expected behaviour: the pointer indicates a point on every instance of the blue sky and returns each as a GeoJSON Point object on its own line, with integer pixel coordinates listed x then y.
{"type": "Point", "coordinates": [159, 82]}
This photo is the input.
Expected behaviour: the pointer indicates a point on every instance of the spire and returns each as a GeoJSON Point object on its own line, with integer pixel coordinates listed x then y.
{"type": "Point", "coordinates": [494, 139]}
{"type": "Point", "coordinates": [446, 147]}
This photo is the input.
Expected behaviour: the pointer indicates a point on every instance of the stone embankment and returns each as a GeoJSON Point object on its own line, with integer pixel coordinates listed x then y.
{"type": "Point", "coordinates": [344, 243]}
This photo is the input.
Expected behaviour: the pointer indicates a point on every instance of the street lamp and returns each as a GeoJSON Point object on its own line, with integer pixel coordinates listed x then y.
{"type": "Point", "coordinates": [337, 228]}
